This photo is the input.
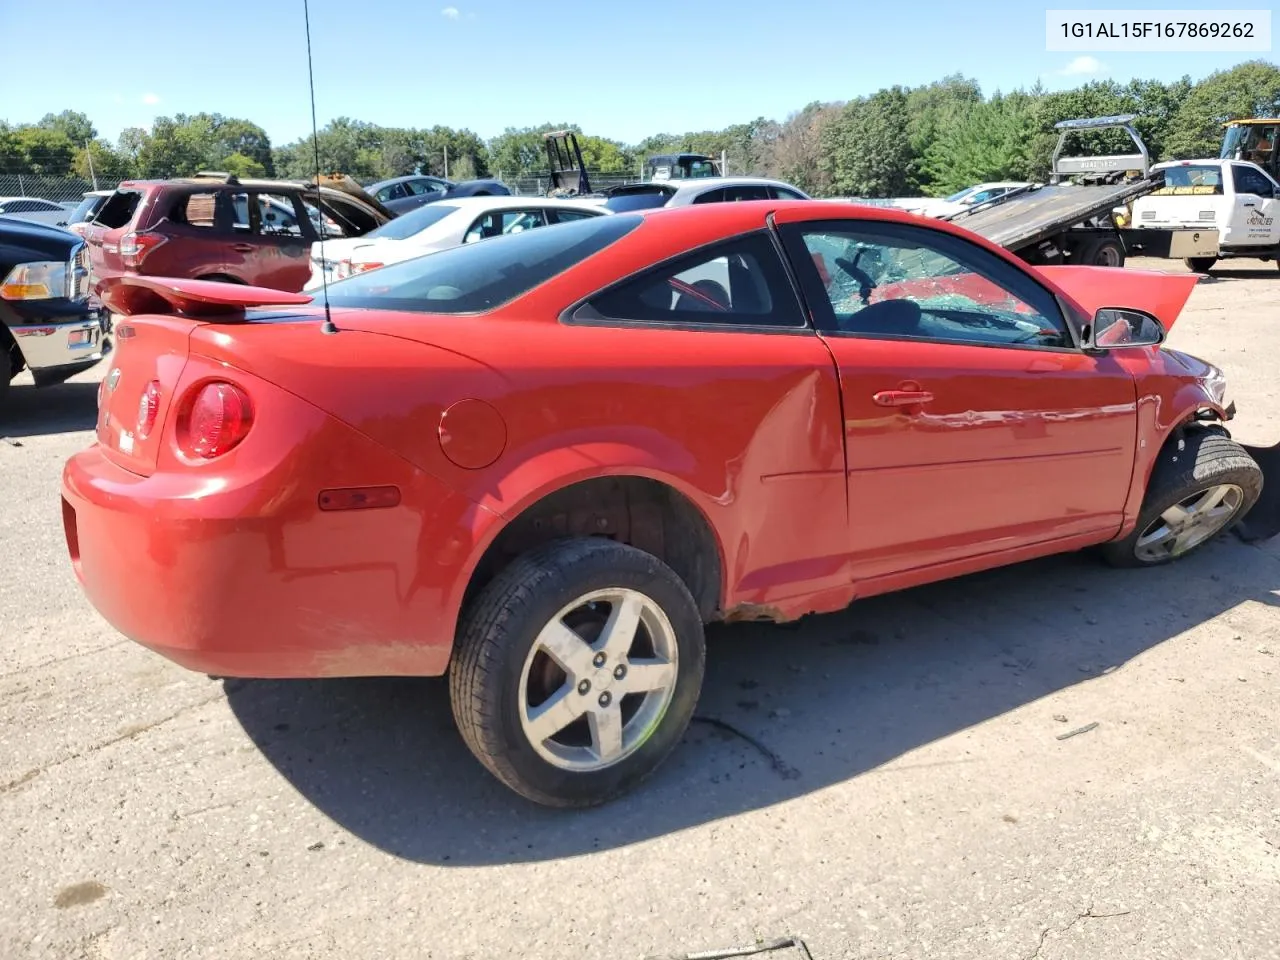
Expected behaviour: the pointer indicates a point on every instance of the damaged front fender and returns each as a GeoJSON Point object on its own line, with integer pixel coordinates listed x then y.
{"type": "Point", "coordinates": [1262, 522]}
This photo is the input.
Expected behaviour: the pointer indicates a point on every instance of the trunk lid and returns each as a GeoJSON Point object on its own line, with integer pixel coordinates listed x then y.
{"type": "Point", "coordinates": [146, 365]}
{"type": "Point", "coordinates": [136, 399]}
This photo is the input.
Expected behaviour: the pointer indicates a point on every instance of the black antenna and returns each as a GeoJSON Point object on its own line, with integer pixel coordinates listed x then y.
{"type": "Point", "coordinates": [327, 326]}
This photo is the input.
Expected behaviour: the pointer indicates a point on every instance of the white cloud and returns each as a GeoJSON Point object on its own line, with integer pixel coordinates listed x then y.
{"type": "Point", "coordinates": [450, 13]}
{"type": "Point", "coordinates": [150, 99]}
{"type": "Point", "coordinates": [1082, 66]}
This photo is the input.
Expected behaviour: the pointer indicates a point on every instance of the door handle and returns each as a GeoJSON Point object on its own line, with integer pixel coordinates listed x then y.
{"type": "Point", "coordinates": [902, 398]}
{"type": "Point", "coordinates": [1044, 366]}
{"type": "Point", "coordinates": [242, 247]}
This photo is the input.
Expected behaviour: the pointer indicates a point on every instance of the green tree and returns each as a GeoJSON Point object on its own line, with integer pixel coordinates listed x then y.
{"type": "Point", "coordinates": [75, 126]}
{"type": "Point", "coordinates": [934, 112]}
{"type": "Point", "coordinates": [992, 140]}
{"type": "Point", "coordinates": [46, 153]}
{"type": "Point", "coordinates": [99, 159]}
{"type": "Point", "coordinates": [865, 150]}
{"type": "Point", "coordinates": [242, 166]}
{"type": "Point", "coordinates": [1251, 89]}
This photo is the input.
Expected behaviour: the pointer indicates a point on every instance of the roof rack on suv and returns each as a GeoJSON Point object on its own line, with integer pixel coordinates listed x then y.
{"type": "Point", "coordinates": [217, 175]}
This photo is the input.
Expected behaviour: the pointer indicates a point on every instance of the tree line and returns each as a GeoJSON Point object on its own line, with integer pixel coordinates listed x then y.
{"type": "Point", "coordinates": [932, 139]}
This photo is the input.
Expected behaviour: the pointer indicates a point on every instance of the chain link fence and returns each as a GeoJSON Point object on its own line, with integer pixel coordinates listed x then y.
{"type": "Point", "coordinates": [73, 189]}
{"type": "Point", "coordinates": [57, 189]}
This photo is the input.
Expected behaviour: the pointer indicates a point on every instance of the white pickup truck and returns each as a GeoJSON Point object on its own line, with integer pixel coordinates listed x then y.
{"type": "Point", "coordinates": [1238, 199]}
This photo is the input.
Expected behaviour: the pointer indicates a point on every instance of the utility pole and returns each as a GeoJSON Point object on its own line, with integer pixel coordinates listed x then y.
{"type": "Point", "coordinates": [89, 156]}
{"type": "Point", "coordinates": [446, 161]}
{"type": "Point", "coordinates": [724, 170]}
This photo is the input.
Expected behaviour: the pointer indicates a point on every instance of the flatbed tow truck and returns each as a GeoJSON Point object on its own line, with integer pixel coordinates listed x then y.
{"type": "Point", "coordinates": [1079, 216]}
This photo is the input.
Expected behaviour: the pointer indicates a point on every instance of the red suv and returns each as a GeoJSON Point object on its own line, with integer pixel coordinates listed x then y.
{"type": "Point", "coordinates": [216, 227]}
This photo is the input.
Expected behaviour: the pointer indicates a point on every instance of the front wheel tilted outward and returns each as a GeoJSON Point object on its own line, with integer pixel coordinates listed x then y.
{"type": "Point", "coordinates": [577, 670]}
{"type": "Point", "coordinates": [1202, 484]}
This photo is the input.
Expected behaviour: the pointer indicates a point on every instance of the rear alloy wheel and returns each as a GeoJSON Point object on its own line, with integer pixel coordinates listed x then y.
{"type": "Point", "coordinates": [577, 671]}
{"type": "Point", "coordinates": [1200, 264]}
{"type": "Point", "coordinates": [1201, 486]}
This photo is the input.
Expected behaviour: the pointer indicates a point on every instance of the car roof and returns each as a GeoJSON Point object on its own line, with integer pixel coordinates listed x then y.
{"type": "Point", "coordinates": [1215, 162]}
{"type": "Point", "coordinates": [405, 179]}
{"type": "Point", "coordinates": [504, 200]}
{"type": "Point", "coordinates": [694, 183]}
{"type": "Point", "coordinates": [40, 199]}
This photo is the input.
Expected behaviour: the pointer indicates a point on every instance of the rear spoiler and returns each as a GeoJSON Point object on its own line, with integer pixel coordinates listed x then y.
{"type": "Point", "coordinates": [130, 296]}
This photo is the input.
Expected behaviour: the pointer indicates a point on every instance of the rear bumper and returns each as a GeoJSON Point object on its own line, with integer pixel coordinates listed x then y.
{"type": "Point", "coordinates": [253, 580]}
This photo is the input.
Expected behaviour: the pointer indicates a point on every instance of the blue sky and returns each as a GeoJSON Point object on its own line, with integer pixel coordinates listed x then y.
{"type": "Point", "coordinates": [618, 69]}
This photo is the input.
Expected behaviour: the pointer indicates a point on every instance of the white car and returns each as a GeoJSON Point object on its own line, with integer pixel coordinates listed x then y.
{"type": "Point", "coordinates": [34, 209]}
{"type": "Point", "coordinates": [682, 192]}
{"type": "Point", "coordinates": [962, 200]}
{"type": "Point", "coordinates": [439, 226]}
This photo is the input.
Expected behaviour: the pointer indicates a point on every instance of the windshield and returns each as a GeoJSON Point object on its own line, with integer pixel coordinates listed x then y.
{"type": "Point", "coordinates": [415, 221]}
{"type": "Point", "coordinates": [1192, 178]}
{"type": "Point", "coordinates": [1233, 142]}
{"type": "Point", "coordinates": [957, 197]}
{"type": "Point", "coordinates": [85, 211]}
{"type": "Point", "coordinates": [478, 277]}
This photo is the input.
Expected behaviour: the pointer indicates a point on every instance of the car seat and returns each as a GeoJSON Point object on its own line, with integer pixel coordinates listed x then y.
{"type": "Point", "coordinates": [888, 317]}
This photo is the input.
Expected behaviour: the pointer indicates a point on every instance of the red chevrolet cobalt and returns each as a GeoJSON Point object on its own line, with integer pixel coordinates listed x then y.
{"type": "Point", "coordinates": [542, 463]}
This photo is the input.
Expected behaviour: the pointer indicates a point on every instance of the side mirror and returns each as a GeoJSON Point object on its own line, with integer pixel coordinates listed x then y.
{"type": "Point", "coordinates": [1116, 327]}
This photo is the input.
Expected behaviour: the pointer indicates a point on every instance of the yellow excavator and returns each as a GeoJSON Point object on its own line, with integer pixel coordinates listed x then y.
{"type": "Point", "coordinates": [1256, 140]}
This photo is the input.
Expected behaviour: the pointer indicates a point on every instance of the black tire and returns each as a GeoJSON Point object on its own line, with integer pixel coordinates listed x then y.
{"type": "Point", "coordinates": [6, 371]}
{"type": "Point", "coordinates": [1100, 252]}
{"type": "Point", "coordinates": [497, 632]}
{"type": "Point", "coordinates": [1201, 459]}
{"type": "Point", "coordinates": [1200, 264]}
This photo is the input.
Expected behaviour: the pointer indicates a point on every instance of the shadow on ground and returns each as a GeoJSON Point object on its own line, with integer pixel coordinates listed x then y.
{"type": "Point", "coordinates": [833, 697]}
{"type": "Point", "coordinates": [31, 411]}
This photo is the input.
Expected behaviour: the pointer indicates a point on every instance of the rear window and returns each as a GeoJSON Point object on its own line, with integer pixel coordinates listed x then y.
{"type": "Point", "coordinates": [478, 277]}
{"type": "Point", "coordinates": [119, 209]}
{"type": "Point", "coordinates": [638, 200]}
{"type": "Point", "coordinates": [415, 221]}
{"type": "Point", "coordinates": [1192, 179]}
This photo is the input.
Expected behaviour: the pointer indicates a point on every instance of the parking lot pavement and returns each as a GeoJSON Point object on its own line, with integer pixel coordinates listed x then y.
{"type": "Point", "coordinates": [920, 801]}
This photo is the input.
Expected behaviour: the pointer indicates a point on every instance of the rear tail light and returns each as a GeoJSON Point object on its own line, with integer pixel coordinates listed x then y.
{"type": "Point", "coordinates": [135, 246]}
{"type": "Point", "coordinates": [148, 407]}
{"type": "Point", "coordinates": [215, 419]}
{"type": "Point", "coordinates": [362, 267]}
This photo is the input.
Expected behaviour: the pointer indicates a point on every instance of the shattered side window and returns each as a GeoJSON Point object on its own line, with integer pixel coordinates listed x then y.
{"type": "Point", "coordinates": [906, 282]}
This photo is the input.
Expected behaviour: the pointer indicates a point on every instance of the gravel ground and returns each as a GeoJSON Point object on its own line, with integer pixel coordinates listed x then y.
{"type": "Point", "coordinates": [920, 803]}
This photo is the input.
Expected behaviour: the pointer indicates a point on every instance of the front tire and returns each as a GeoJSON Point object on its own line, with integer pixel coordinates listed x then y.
{"type": "Point", "coordinates": [1202, 484]}
{"type": "Point", "coordinates": [577, 670]}
{"type": "Point", "coordinates": [1200, 264]}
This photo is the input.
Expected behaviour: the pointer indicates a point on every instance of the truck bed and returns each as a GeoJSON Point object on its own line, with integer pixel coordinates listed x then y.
{"type": "Point", "coordinates": [1030, 217]}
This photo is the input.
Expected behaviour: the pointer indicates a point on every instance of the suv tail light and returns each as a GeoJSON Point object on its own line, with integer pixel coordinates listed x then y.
{"type": "Point", "coordinates": [135, 246]}
{"type": "Point", "coordinates": [148, 407]}
{"type": "Point", "coordinates": [215, 419]}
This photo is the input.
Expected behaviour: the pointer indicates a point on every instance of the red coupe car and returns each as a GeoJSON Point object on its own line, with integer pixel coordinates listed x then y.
{"type": "Point", "coordinates": [542, 463]}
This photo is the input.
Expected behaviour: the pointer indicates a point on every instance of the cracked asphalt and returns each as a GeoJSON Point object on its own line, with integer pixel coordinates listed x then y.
{"type": "Point", "coordinates": [920, 804]}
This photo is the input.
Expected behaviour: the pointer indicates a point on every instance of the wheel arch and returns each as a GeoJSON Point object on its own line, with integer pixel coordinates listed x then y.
{"type": "Point", "coordinates": [1193, 409]}
{"type": "Point", "coordinates": [631, 503]}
